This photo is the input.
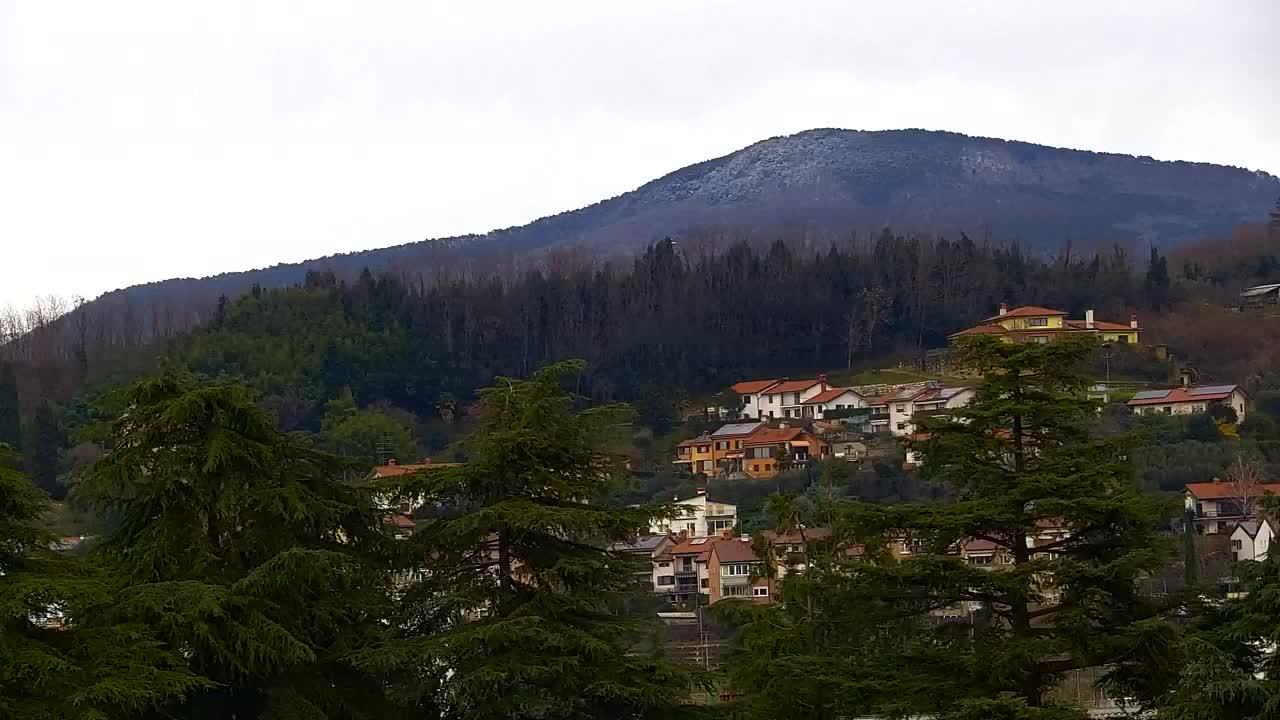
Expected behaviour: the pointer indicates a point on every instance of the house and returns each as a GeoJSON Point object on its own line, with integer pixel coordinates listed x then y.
{"type": "Point", "coordinates": [716, 452]}
{"type": "Point", "coordinates": [697, 516]}
{"type": "Point", "coordinates": [929, 399]}
{"type": "Point", "coordinates": [1042, 325]}
{"type": "Point", "coordinates": [1260, 296]}
{"type": "Point", "coordinates": [1189, 400]}
{"type": "Point", "coordinates": [392, 469]}
{"type": "Point", "coordinates": [984, 554]}
{"type": "Point", "coordinates": [734, 571]}
{"type": "Point", "coordinates": [687, 562]}
{"type": "Point", "coordinates": [790, 550]}
{"type": "Point", "coordinates": [785, 398]}
{"type": "Point", "coordinates": [832, 402]}
{"type": "Point", "coordinates": [654, 571]}
{"type": "Point", "coordinates": [1218, 506]}
{"type": "Point", "coordinates": [766, 453]}
{"type": "Point", "coordinates": [751, 393]}
{"type": "Point", "coordinates": [1251, 539]}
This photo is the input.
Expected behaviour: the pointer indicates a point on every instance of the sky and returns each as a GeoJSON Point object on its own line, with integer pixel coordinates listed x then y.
{"type": "Point", "coordinates": [146, 140]}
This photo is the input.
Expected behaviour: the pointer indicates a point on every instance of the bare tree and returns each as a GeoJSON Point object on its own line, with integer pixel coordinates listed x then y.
{"type": "Point", "coordinates": [1246, 478]}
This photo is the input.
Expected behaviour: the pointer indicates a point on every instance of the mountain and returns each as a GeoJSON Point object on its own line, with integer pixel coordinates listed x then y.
{"type": "Point", "coordinates": [842, 180]}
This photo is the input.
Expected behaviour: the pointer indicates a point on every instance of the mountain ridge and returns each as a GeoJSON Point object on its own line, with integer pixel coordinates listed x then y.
{"type": "Point", "coordinates": [837, 179]}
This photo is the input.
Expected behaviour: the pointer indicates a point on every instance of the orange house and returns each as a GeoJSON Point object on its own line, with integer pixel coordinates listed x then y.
{"type": "Point", "coordinates": [720, 451]}
{"type": "Point", "coordinates": [763, 450]}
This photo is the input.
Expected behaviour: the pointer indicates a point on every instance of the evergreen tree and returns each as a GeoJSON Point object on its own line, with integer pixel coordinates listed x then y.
{"type": "Point", "coordinates": [51, 666]}
{"type": "Point", "coordinates": [1156, 283]}
{"type": "Point", "coordinates": [10, 416]}
{"type": "Point", "coordinates": [43, 449]}
{"type": "Point", "coordinates": [1020, 458]}
{"type": "Point", "coordinates": [243, 552]}
{"type": "Point", "coordinates": [517, 612]}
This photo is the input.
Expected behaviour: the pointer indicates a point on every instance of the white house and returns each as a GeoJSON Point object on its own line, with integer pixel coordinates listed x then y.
{"type": "Point", "coordinates": [1189, 400]}
{"type": "Point", "coordinates": [751, 393]}
{"type": "Point", "coordinates": [931, 399]}
{"type": "Point", "coordinates": [1251, 539]}
{"type": "Point", "coordinates": [1218, 506]}
{"type": "Point", "coordinates": [652, 549]}
{"type": "Point", "coordinates": [785, 398]}
{"type": "Point", "coordinates": [832, 399]}
{"type": "Point", "coordinates": [697, 516]}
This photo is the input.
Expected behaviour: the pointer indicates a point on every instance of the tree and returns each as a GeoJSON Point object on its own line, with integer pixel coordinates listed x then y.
{"type": "Point", "coordinates": [366, 437]}
{"type": "Point", "coordinates": [10, 411]}
{"type": "Point", "coordinates": [517, 613]}
{"type": "Point", "coordinates": [1156, 283]}
{"type": "Point", "coordinates": [243, 551]}
{"type": "Point", "coordinates": [1032, 482]}
{"type": "Point", "coordinates": [43, 448]}
{"type": "Point", "coordinates": [51, 665]}
{"type": "Point", "coordinates": [1274, 225]}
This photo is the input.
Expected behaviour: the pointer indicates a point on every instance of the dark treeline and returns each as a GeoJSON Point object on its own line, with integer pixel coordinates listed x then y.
{"type": "Point", "coordinates": [670, 321]}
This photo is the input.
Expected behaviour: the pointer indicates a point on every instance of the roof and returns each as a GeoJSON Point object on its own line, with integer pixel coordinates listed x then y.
{"type": "Point", "coordinates": [1220, 490]}
{"type": "Point", "coordinates": [1194, 393]}
{"type": "Point", "coordinates": [1025, 311]}
{"type": "Point", "coordinates": [1259, 290]}
{"type": "Point", "coordinates": [402, 521]}
{"type": "Point", "coordinates": [703, 438]}
{"type": "Point", "coordinates": [644, 543]}
{"type": "Point", "coordinates": [980, 546]}
{"type": "Point", "coordinates": [773, 436]}
{"type": "Point", "coordinates": [699, 546]}
{"type": "Point", "coordinates": [735, 429]}
{"type": "Point", "coordinates": [984, 329]}
{"type": "Point", "coordinates": [828, 395]}
{"type": "Point", "coordinates": [938, 394]}
{"type": "Point", "coordinates": [1249, 526]}
{"type": "Point", "coordinates": [791, 538]}
{"type": "Point", "coordinates": [396, 470]}
{"type": "Point", "coordinates": [1097, 325]}
{"type": "Point", "coordinates": [786, 386]}
{"type": "Point", "coordinates": [751, 387]}
{"type": "Point", "coordinates": [734, 550]}
{"type": "Point", "coordinates": [702, 496]}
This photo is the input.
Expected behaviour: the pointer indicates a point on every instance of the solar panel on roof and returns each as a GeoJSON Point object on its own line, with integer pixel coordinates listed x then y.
{"type": "Point", "coordinates": [1212, 389]}
{"type": "Point", "coordinates": [1151, 394]}
{"type": "Point", "coordinates": [698, 541]}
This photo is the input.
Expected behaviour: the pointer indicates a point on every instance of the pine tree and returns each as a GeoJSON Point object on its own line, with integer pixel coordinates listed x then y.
{"type": "Point", "coordinates": [242, 549]}
{"type": "Point", "coordinates": [43, 449]}
{"type": "Point", "coordinates": [517, 612]}
{"type": "Point", "coordinates": [10, 417]}
{"type": "Point", "coordinates": [1156, 282]}
{"type": "Point", "coordinates": [52, 666]}
{"type": "Point", "coordinates": [1020, 458]}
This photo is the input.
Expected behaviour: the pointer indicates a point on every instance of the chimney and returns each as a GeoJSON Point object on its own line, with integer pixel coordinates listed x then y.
{"type": "Point", "coordinates": [1004, 308]}
{"type": "Point", "coordinates": [1133, 321]}
{"type": "Point", "coordinates": [1088, 318]}
{"type": "Point", "coordinates": [701, 491]}
{"type": "Point", "coordinates": [822, 380]}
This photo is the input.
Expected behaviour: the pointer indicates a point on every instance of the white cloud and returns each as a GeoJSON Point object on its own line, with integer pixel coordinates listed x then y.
{"type": "Point", "coordinates": [140, 141]}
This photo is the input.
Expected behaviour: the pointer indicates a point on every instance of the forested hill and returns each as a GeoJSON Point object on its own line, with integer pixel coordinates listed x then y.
{"type": "Point", "coordinates": [827, 182]}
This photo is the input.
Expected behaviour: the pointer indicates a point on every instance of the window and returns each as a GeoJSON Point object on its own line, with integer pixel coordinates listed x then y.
{"type": "Point", "coordinates": [1236, 544]}
{"type": "Point", "coordinates": [902, 425]}
{"type": "Point", "coordinates": [1038, 322]}
{"type": "Point", "coordinates": [981, 559]}
{"type": "Point", "coordinates": [1198, 408]}
{"type": "Point", "coordinates": [705, 583]}
{"type": "Point", "coordinates": [901, 408]}
{"type": "Point", "coordinates": [666, 580]}
{"type": "Point", "coordinates": [1235, 557]}
{"type": "Point", "coordinates": [704, 448]}
{"type": "Point", "coordinates": [755, 467]}
{"type": "Point", "coordinates": [715, 526]}
{"type": "Point", "coordinates": [759, 592]}
{"type": "Point", "coordinates": [1122, 339]}
{"type": "Point", "coordinates": [737, 444]}
{"type": "Point", "coordinates": [795, 398]}
{"type": "Point", "coordinates": [1040, 339]}
{"type": "Point", "coordinates": [735, 569]}
{"type": "Point", "coordinates": [772, 398]}
{"type": "Point", "coordinates": [733, 590]}
{"type": "Point", "coordinates": [722, 445]}
{"type": "Point", "coordinates": [691, 527]}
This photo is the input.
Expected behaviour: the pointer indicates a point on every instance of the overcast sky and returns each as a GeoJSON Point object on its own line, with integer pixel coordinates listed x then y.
{"type": "Point", "coordinates": [141, 141]}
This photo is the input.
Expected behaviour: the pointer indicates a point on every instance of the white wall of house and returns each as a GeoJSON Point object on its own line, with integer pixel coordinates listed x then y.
{"type": "Point", "coordinates": [1236, 400]}
{"type": "Point", "coordinates": [1244, 547]}
{"type": "Point", "coordinates": [844, 401]}
{"type": "Point", "coordinates": [788, 404]}
{"type": "Point", "coordinates": [697, 516]}
{"type": "Point", "coordinates": [901, 411]}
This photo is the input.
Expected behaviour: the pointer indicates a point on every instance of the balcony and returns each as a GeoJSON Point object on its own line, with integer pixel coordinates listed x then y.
{"type": "Point", "coordinates": [686, 572]}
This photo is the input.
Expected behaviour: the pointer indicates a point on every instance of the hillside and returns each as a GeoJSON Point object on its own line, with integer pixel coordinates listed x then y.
{"type": "Point", "coordinates": [834, 180]}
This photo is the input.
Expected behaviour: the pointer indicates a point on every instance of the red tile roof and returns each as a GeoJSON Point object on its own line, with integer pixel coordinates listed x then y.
{"type": "Point", "coordinates": [734, 550]}
{"type": "Point", "coordinates": [1220, 490]}
{"type": "Point", "coordinates": [751, 387]}
{"type": "Point", "coordinates": [402, 521]}
{"type": "Point", "coordinates": [1097, 325]}
{"type": "Point", "coordinates": [793, 537]}
{"type": "Point", "coordinates": [792, 386]}
{"type": "Point", "coordinates": [395, 470]}
{"type": "Point", "coordinates": [983, 330]}
{"type": "Point", "coordinates": [827, 396]}
{"type": "Point", "coordinates": [1185, 395]}
{"type": "Point", "coordinates": [1026, 311]}
{"type": "Point", "coordinates": [979, 546]}
{"type": "Point", "coordinates": [773, 436]}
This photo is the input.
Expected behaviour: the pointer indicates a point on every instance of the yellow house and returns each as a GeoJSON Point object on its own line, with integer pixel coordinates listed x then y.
{"type": "Point", "coordinates": [708, 453]}
{"type": "Point", "coordinates": [1042, 325]}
